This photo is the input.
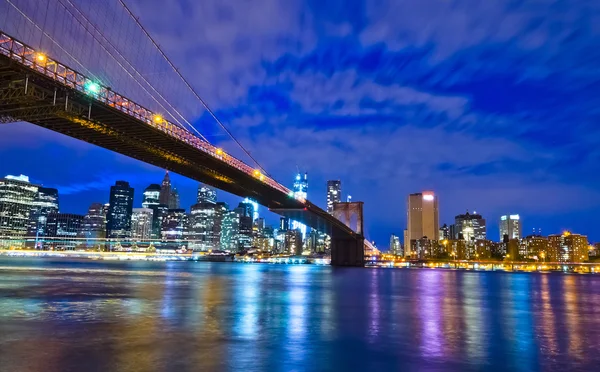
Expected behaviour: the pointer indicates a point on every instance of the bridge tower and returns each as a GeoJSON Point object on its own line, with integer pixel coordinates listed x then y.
{"type": "Point", "coordinates": [348, 250]}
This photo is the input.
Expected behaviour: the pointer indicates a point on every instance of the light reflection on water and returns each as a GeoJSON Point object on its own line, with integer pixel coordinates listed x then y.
{"type": "Point", "coordinates": [122, 316]}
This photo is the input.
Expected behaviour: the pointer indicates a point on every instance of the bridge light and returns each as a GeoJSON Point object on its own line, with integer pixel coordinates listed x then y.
{"type": "Point", "coordinates": [92, 87]}
{"type": "Point", "coordinates": [40, 57]}
{"type": "Point", "coordinates": [157, 118]}
{"type": "Point", "coordinates": [256, 172]}
{"type": "Point", "coordinates": [261, 177]}
{"type": "Point", "coordinates": [219, 152]}
{"type": "Point", "coordinates": [291, 194]}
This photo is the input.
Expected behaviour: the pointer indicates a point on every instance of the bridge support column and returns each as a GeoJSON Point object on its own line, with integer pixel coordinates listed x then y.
{"type": "Point", "coordinates": [347, 250]}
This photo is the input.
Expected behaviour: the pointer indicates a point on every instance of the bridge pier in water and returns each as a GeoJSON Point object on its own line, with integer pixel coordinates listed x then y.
{"type": "Point", "coordinates": [347, 250]}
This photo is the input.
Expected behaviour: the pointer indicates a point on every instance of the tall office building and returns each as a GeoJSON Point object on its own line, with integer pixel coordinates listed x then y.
{"type": "Point", "coordinates": [422, 218]}
{"type": "Point", "coordinates": [64, 228]}
{"type": "Point", "coordinates": [395, 247]}
{"type": "Point", "coordinates": [165, 190]}
{"type": "Point", "coordinates": [245, 212]}
{"type": "Point", "coordinates": [230, 230]}
{"type": "Point", "coordinates": [205, 224]}
{"type": "Point", "coordinates": [17, 199]}
{"type": "Point", "coordinates": [93, 227]}
{"type": "Point", "coordinates": [141, 223]}
{"type": "Point", "coordinates": [469, 227]}
{"type": "Point", "coordinates": [300, 190]}
{"type": "Point", "coordinates": [118, 219]}
{"type": "Point", "coordinates": [151, 196]}
{"type": "Point", "coordinates": [254, 208]}
{"type": "Point", "coordinates": [510, 226]}
{"type": "Point", "coordinates": [334, 193]}
{"type": "Point", "coordinates": [173, 224]}
{"type": "Point", "coordinates": [46, 202]}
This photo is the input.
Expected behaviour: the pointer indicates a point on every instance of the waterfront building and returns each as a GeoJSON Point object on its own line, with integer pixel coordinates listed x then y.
{"type": "Point", "coordinates": [245, 211]}
{"type": "Point", "coordinates": [118, 219]}
{"type": "Point", "coordinates": [510, 226]}
{"type": "Point", "coordinates": [334, 194]}
{"type": "Point", "coordinates": [422, 219]}
{"type": "Point", "coordinates": [567, 247]}
{"type": "Point", "coordinates": [395, 246]}
{"type": "Point", "coordinates": [229, 231]}
{"type": "Point", "coordinates": [534, 247]}
{"type": "Point", "coordinates": [293, 242]}
{"type": "Point", "coordinates": [469, 227]}
{"type": "Point", "coordinates": [205, 224]}
{"type": "Point", "coordinates": [63, 229]}
{"type": "Point", "coordinates": [17, 199]}
{"type": "Point", "coordinates": [93, 227]}
{"type": "Point", "coordinates": [46, 202]}
{"type": "Point", "coordinates": [141, 223]}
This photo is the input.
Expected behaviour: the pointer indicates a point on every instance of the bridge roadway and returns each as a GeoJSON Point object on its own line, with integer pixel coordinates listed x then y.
{"type": "Point", "coordinates": [44, 92]}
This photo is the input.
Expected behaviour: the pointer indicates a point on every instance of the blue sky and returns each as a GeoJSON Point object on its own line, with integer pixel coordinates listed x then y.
{"type": "Point", "coordinates": [494, 105]}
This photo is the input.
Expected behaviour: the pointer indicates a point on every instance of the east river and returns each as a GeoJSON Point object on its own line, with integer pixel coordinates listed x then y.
{"type": "Point", "coordinates": [70, 315]}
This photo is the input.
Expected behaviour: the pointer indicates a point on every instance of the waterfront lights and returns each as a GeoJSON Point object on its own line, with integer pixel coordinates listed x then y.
{"type": "Point", "coordinates": [92, 87]}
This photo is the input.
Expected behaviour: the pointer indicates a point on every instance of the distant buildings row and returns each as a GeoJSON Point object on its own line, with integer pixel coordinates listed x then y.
{"type": "Point", "coordinates": [32, 213]}
{"type": "Point", "coordinates": [466, 238]}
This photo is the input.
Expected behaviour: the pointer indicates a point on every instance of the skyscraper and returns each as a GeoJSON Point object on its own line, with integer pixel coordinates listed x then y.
{"type": "Point", "coordinates": [422, 218]}
{"type": "Point", "coordinates": [93, 227]}
{"type": "Point", "coordinates": [395, 247]}
{"type": "Point", "coordinates": [510, 226]}
{"type": "Point", "coordinates": [46, 202]}
{"type": "Point", "coordinates": [334, 193]}
{"type": "Point", "coordinates": [173, 224]}
{"type": "Point", "coordinates": [229, 231]}
{"type": "Point", "coordinates": [17, 199]}
{"type": "Point", "coordinates": [205, 224]}
{"type": "Point", "coordinates": [245, 211]}
{"type": "Point", "coordinates": [64, 227]}
{"type": "Point", "coordinates": [567, 247]}
{"type": "Point", "coordinates": [165, 190]}
{"type": "Point", "coordinates": [151, 196]}
{"type": "Point", "coordinates": [141, 223]}
{"type": "Point", "coordinates": [470, 227]}
{"type": "Point", "coordinates": [300, 192]}
{"type": "Point", "coordinates": [118, 219]}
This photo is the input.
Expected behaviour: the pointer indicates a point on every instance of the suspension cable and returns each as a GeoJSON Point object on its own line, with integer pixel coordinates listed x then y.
{"type": "Point", "coordinates": [189, 86]}
{"type": "Point", "coordinates": [130, 66]}
{"type": "Point", "coordinates": [52, 39]}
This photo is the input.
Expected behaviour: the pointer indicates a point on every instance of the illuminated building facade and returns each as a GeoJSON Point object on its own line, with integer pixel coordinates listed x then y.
{"type": "Point", "coordinates": [173, 225]}
{"type": "Point", "coordinates": [17, 200]}
{"type": "Point", "coordinates": [300, 190]}
{"type": "Point", "coordinates": [206, 194]}
{"type": "Point", "coordinates": [118, 219]}
{"type": "Point", "coordinates": [395, 246]}
{"type": "Point", "coordinates": [165, 190]}
{"type": "Point", "coordinates": [293, 242]}
{"type": "Point", "coordinates": [510, 227]}
{"type": "Point", "coordinates": [229, 231]}
{"type": "Point", "coordinates": [46, 202]}
{"type": "Point", "coordinates": [534, 247]}
{"type": "Point", "coordinates": [469, 227]}
{"type": "Point", "coordinates": [422, 219]}
{"type": "Point", "coordinates": [206, 224]}
{"type": "Point", "coordinates": [64, 227]}
{"type": "Point", "coordinates": [567, 247]}
{"type": "Point", "coordinates": [334, 194]}
{"type": "Point", "coordinates": [93, 226]}
{"type": "Point", "coordinates": [141, 223]}
{"type": "Point", "coordinates": [151, 196]}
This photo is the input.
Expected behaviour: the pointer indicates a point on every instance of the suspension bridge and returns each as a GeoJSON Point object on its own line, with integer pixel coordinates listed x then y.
{"type": "Point", "coordinates": [39, 88]}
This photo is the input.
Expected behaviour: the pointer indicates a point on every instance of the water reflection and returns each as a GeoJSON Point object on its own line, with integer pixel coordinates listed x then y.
{"type": "Point", "coordinates": [210, 316]}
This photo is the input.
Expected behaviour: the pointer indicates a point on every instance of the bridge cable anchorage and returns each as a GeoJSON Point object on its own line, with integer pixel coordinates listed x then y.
{"type": "Point", "coordinates": [189, 86]}
{"type": "Point", "coordinates": [131, 67]}
{"type": "Point", "coordinates": [90, 73]}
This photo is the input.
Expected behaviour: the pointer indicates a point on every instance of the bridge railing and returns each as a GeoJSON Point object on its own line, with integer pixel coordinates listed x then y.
{"type": "Point", "coordinates": [29, 57]}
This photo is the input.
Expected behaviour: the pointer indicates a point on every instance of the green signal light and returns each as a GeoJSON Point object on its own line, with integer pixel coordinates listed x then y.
{"type": "Point", "coordinates": [92, 87]}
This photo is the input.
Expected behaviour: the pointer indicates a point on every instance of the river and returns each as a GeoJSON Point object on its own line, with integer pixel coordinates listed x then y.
{"type": "Point", "coordinates": [69, 315]}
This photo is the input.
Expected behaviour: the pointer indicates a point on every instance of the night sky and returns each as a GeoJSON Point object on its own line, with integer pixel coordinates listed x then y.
{"type": "Point", "coordinates": [494, 105]}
